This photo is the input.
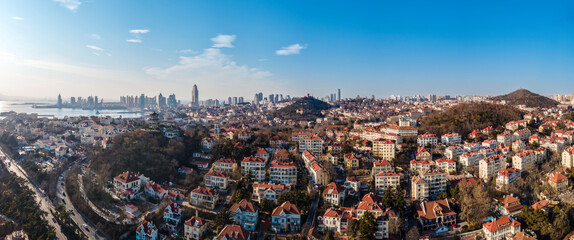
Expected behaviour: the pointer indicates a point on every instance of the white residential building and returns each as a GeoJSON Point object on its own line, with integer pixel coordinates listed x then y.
{"type": "Point", "coordinates": [490, 166]}
{"type": "Point", "coordinates": [428, 184]}
{"type": "Point", "coordinates": [506, 177]}
{"type": "Point", "coordinates": [500, 228]}
{"type": "Point", "coordinates": [427, 138]}
{"type": "Point", "coordinates": [568, 157]}
{"type": "Point", "coordinates": [451, 139]}
{"type": "Point", "coordinates": [283, 172]}
{"type": "Point", "coordinates": [334, 194]}
{"type": "Point", "coordinates": [523, 160]}
{"type": "Point", "coordinates": [384, 180]}
{"type": "Point", "coordinates": [384, 148]}
{"type": "Point", "coordinates": [255, 166]}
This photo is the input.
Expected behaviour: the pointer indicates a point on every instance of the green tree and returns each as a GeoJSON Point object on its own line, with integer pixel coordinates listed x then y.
{"type": "Point", "coordinates": [353, 227]}
{"type": "Point", "coordinates": [267, 205]}
{"type": "Point", "coordinates": [367, 226]}
{"type": "Point", "coordinates": [346, 149]}
{"type": "Point", "coordinates": [222, 218]}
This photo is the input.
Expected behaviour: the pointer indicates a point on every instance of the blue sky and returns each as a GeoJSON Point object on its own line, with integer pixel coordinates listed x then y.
{"type": "Point", "coordinates": [237, 48]}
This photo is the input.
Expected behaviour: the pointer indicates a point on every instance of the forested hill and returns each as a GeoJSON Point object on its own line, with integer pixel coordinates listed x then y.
{"type": "Point", "coordinates": [310, 106]}
{"type": "Point", "coordinates": [528, 98]}
{"type": "Point", "coordinates": [466, 117]}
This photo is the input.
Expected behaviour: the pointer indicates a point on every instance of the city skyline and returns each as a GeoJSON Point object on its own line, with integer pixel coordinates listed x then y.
{"type": "Point", "coordinates": [111, 49]}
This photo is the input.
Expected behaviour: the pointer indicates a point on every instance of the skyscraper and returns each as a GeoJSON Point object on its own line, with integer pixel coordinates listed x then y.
{"type": "Point", "coordinates": [59, 100]}
{"type": "Point", "coordinates": [339, 95]}
{"type": "Point", "coordinates": [195, 96]}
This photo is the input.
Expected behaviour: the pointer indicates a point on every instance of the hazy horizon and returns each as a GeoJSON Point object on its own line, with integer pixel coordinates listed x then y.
{"type": "Point", "coordinates": [239, 48]}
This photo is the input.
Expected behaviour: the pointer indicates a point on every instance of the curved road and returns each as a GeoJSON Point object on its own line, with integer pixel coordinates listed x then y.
{"type": "Point", "coordinates": [91, 231]}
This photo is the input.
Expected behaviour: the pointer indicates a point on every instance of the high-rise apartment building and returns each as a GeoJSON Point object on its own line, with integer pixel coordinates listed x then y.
{"type": "Point", "coordinates": [194, 96]}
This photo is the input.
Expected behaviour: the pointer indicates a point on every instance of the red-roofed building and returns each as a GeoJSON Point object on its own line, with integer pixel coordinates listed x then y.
{"type": "Point", "coordinates": [558, 181]}
{"type": "Point", "coordinates": [384, 148]}
{"type": "Point", "coordinates": [129, 184]}
{"type": "Point", "coordinates": [255, 166]}
{"type": "Point", "coordinates": [204, 197]}
{"type": "Point", "coordinates": [417, 166]}
{"type": "Point", "coordinates": [568, 157]}
{"type": "Point", "coordinates": [381, 166]}
{"type": "Point", "coordinates": [153, 189]}
{"type": "Point", "coordinates": [263, 154]}
{"type": "Point", "coordinates": [334, 194]}
{"type": "Point", "coordinates": [384, 180]}
{"type": "Point", "coordinates": [194, 228]}
{"type": "Point", "coordinates": [286, 218]}
{"type": "Point", "coordinates": [336, 220]}
{"type": "Point", "coordinates": [507, 176]}
{"type": "Point", "coordinates": [427, 138]}
{"type": "Point", "coordinates": [245, 213]}
{"type": "Point", "coordinates": [499, 229]}
{"type": "Point", "coordinates": [268, 191]}
{"type": "Point", "coordinates": [447, 165]}
{"type": "Point", "coordinates": [146, 231]}
{"type": "Point", "coordinates": [283, 172]}
{"type": "Point", "coordinates": [509, 205]}
{"type": "Point", "coordinates": [172, 215]}
{"type": "Point", "coordinates": [435, 214]}
{"type": "Point", "coordinates": [233, 232]}
{"type": "Point", "coordinates": [423, 154]}
{"type": "Point", "coordinates": [225, 165]}
{"type": "Point", "coordinates": [216, 179]}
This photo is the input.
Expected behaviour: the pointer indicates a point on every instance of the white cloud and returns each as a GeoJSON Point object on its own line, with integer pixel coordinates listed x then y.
{"type": "Point", "coordinates": [95, 47]}
{"type": "Point", "coordinates": [187, 51]}
{"type": "Point", "coordinates": [217, 74]}
{"type": "Point", "coordinates": [138, 35]}
{"type": "Point", "coordinates": [139, 31]}
{"type": "Point", "coordinates": [263, 59]}
{"type": "Point", "coordinates": [222, 41]}
{"type": "Point", "coordinates": [72, 5]}
{"type": "Point", "coordinates": [17, 18]}
{"type": "Point", "coordinates": [290, 50]}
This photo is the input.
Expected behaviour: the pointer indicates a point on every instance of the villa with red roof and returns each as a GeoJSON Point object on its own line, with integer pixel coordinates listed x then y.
{"type": "Point", "coordinates": [500, 228]}
{"type": "Point", "coordinates": [172, 215]}
{"type": "Point", "coordinates": [194, 228]}
{"type": "Point", "coordinates": [128, 185]}
{"type": "Point", "coordinates": [426, 139]}
{"type": "Point", "coordinates": [508, 205]}
{"type": "Point", "coordinates": [233, 232]}
{"type": "Point", "coordinates": [507, 176]}
{"type": "Point", "coordinates": [558, 181]}
{"type": "Point", "coordinates": [286, 218]}
{"type": "Point", "coordinates": [435, 214]}
{"type": "Point", "coordinates": [146, 231]}
{"type": "Point", "coordinates": [225, 165]}
{"type": "Point", "coordinates": [263, 154]}
{"type": "Point", "coordinates": [153, 189]}
{"type": "Point", "coordinates": [423, 154]}
{"type": "Point", "coordinates": [268, 191]}
{"type": "Point", "coordinates": [204, 197]}
{"type": "Point", "coordinates": [334, 194]}
{"type": "Point", "coordinates": [381, 166]}
{"type": "Point", "coordinates": [245, 214]}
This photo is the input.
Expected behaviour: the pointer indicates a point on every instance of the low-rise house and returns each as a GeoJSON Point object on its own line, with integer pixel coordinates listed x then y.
{"type": "Point", "coordinates": [204, 197]}
{"type": "Point", "coordinates": [427, 139]}
{"type": "Point", "coordinates": [225, 165]}
{"type": "Point", "coordinates": [453, 152]}
{"type": "Point", "coordinates": [172, 216]}
{"type": "Point", "coordinates": [506, 177]}
{"type": "Point", "coordinates": [470, 159]}
{"type": "Point", "coordinates": [423, 154]}
{"type": "Point", "coordinates": [435, 214]}
{"type": "Point", "coordinates": [505, 137]}
{"type": "Point", "coordinates": [450, 139]}
{"type": "Point", "coordinates": [268, 191]}
{"type": "Point", "coordinates": [508, 205]}
{"type": "Point", "coordinates": [286, 218]}
{"type": "Point", "coordinates": [352, 185]}
{"type": "Point", "coordinates": [351, 161]}
{"type": "Point", "coordinates": [217, 180]}
{"type": "Point", "coordinates": [334, 194]}
{"type": "Point", "coordinates": [283, 172]}
{"type": "Point", "coordinates": [318, 174]}
{"type": "Point", "coordinates": [381, 166]}
{"type": "Point", "coordinates": [447, 165]}
{"type": "Point", "coordinates": [336, 220]}
{"type": "Point", "coordinates": [194, 228]}
{"type": "Point", "coordinates": [146, 231]}
{"type": "Point", "coordinates": [128, 185]}
{"type": "Point", "coordinates": [418, 166]}
{"type": "Point", "coordinates": [245, 214]}
{"type": "Point", "coordinates": [155, 190]}
{"type": "Point", "coordinates": [207, 144]}
{"type": "Point", "coordinates": [233, 232]}
{"type": "Point", "coordinates": [263, 154]}
{"type": "Point", "coordinates": [384, 180]}
{"type": "Point", "coordinates": [558, 181]}
{"type": "Point", "coordinates": [500, 228]}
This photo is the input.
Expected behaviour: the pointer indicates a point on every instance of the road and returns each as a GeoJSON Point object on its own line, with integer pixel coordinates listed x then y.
{"type": "Point", "coordinates": [76, 216]}
{"type": "Point", "coordinates": [41, 197]}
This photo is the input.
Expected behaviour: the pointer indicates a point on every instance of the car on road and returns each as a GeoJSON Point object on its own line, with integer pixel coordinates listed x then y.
{"type": "Point", "coordinates": [72, 212]}
{"type": "Point", "coordinates": [54, 220]}
{"type": "Point", "coordinates": [86, 227]}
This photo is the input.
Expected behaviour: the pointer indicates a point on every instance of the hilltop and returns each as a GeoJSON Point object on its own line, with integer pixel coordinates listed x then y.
{"type": "Point", "coordinates": [310, 107]}
{"type": "Point", "coordinates": [528, 98]}
{"type": "Point", "coordinates": [466, 117]}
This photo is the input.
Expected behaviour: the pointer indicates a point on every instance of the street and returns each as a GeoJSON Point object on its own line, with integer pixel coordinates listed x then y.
{"type": "Point", "coordinates": [41, 198]}
{"type": "Point", "coordinates": [76, 215]}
